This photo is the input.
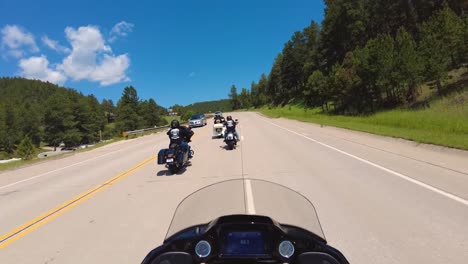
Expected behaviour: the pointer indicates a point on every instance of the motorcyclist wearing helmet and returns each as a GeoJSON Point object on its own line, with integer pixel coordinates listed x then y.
{"type": "Point", "coordinates": [219, 118]}
{"type": "Point", "coordinates": [180, 135]}
{"type": "Point", "coordinates": [231, 127]}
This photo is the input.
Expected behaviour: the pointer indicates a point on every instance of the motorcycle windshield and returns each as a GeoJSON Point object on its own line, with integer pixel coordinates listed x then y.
{"type": "Point", "coordinates": [246, 196]}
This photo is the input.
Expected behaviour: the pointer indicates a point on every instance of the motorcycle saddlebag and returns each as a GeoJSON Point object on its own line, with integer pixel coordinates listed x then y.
{"type": "Point", "coordinates": [161, 156]}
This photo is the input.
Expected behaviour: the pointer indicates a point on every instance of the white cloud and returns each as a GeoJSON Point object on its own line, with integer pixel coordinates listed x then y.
{"type": "Point", "coordinates": [120, 29]}
{"type": "Point", "coordinates": [16, 53]}
{"type": "Point", "coordinates": [86, 38]}
{"type": "Point", "coordinates": [111, 70]}
{"type": "Point", "coordinates": [38, 68]}
{"type": "Point", "coordinates": [91, 59]}
{"type": "Point", "coordinates": [16, 39]}
{"type": "Point", "coordinates": [54, 45]}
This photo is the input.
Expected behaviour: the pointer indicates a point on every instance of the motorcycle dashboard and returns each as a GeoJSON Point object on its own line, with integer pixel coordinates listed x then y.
{"type": "Point", "coordinates": [244, 243]}
{"type": "Point", "coordinates": [249, 239]}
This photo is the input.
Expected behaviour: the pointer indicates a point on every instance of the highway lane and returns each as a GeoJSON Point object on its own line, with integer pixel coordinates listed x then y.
{"type": "Point", "coordinates": [39, 188]}
{"type": "Point", "coordinates": [372, 215]}
{"type": "Point", "coordinates": [119, 224]}
{"type": "Point", "coordinates": [369, 212]}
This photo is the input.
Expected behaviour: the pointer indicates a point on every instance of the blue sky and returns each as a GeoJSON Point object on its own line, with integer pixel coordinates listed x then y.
{"type": "Point", "coordinates": [173, 51]}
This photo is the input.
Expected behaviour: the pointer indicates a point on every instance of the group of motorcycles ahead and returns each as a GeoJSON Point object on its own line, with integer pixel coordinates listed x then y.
{"type": "Point", "coordinates": [179, 152]}
{"type": "Point", "coordinates": [233, 221]}
{"type": "Point", "coordinates": [226, 128]}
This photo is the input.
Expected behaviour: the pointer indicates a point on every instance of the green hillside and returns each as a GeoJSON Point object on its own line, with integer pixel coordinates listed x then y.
{"type": "Point", "coordinates": [210, 106]}
{"type": "Point", "coordinates": [433, 119]}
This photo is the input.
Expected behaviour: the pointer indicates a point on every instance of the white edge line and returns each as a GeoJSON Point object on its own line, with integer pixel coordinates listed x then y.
{"type": "Point", "coordinates": [66, 167]}
{"type": "Point", "coordinates": [52, 171]}
{"type": "Point", "coordinates": [249, 198]}
{"type": "Point", "coordinates": [424, 185]}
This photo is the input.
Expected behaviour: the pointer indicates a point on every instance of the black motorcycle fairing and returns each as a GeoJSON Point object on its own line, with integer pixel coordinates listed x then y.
{"type": "Point", "coordinates": [173, 258]}
{"type": "Point", "coordinates": [272, 234]}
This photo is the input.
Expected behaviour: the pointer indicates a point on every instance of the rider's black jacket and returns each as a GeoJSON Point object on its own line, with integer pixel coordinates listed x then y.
{"type": "Point", "coordinates": [230, 125]}
{"type": "Point", "coordinates": [182, 133]}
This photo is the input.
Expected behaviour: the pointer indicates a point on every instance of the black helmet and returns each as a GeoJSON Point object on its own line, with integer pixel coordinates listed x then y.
{"type": "Point", "coordinates": [229, 117]}
{"type": "Point", "coordinates": [174, 124]}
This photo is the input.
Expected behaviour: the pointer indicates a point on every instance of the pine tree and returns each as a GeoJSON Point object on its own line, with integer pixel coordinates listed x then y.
{"type": "Point", "coordinates": [29, 122]}
{"type": "Point", "coordinates": [2, 126]}
{"type": "Point", "coordinates": [234, 97]}
{"type": "Point", "coordinates": [316, 90]}
{"type": "Point", "coordinates": [26, 148]}
{"type": "Point", "coordinates": [244, 99]}
{"type": "Point", "coordinates": [127, 110]}
{"type": "Point", "coordinates": [441, 44]}
{"type": "Point", "coordinates": [343, 29]}
{"type": "Point", "coordinates": [59, 121]}
{"type": "Point", "coordinates": [275, 89]}
{"type": "Point", "coordinates": [109, 110]}
{"type": "Point", "coordinates": [150, 113]}
{"type": "Point", "coordinates": [408, 65]}
{"type": "Point", "coordinates": [12, 133]}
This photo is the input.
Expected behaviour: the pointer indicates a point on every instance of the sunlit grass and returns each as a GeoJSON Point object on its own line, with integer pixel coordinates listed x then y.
{"type": "Point", "coordinates": [444, 123]}
{"type": "Point", "coordinates": [170, 118]}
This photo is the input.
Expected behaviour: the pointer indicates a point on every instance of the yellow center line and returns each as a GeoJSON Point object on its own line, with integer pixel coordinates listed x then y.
{"type": "Point", "coordinates": [48, 216]}
{"type": "Point", "coordinates": [37, 222]}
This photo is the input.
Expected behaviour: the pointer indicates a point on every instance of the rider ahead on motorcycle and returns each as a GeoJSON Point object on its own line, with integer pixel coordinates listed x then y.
{"type": "Point", "coordinates": [231, 127]}
{"type": "Point", "coordinates": [181, 136]}
{"type": "Point", "coordinates": [218, 118]}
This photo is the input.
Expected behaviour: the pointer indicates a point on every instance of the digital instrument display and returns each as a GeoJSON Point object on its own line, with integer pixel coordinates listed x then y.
{"type": "Point", "coordinates": [244, 244]}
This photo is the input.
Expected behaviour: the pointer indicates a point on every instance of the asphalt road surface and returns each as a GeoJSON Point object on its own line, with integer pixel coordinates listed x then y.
{"type": "Point", "coordinates": [380, 200]}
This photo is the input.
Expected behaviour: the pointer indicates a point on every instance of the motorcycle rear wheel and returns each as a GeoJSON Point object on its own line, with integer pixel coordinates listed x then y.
{"type": "Point", "coordinates": [173, 168]}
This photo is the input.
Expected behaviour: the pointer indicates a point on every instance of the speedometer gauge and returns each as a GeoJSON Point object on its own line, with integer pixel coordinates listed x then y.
{"type": "Point", "coordinates": [203, 249]}
{"type": "Point", "coordinates": [286, 249]}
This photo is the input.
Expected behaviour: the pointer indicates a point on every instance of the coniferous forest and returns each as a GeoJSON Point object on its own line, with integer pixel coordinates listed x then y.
{"type": "Point", "coordinates": [33, 112]}
{"type": "Point", "coordinates": [367, 55]}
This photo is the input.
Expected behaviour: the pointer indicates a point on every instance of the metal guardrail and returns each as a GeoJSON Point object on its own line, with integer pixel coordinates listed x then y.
{"type": "Point", "coordinates": [141, 131]}
{"type": "Point", "coordinates": [125, 134]}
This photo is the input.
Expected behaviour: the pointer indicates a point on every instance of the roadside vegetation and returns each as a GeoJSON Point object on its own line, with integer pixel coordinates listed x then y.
{"type": "Point", "coordinates": [185, 112]}
{"type": "Point", "coordinates": [34, 159]}
{"type": "Point", "coordinates": [170, 118]}
{"type": "Point", "coordinates": [36, 116]}
{"type": "Point", "coordinates": [395, 68]}
{"type": "Point", "coordinates": [441, 122]}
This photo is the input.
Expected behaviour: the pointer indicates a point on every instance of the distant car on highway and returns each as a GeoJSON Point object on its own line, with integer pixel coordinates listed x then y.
{"type": "Point", "coordinates": [197, 120]}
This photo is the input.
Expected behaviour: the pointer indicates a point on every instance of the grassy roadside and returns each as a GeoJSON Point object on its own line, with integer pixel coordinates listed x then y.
{"type": "Point", "coordinates": [444, 122]}
{"type": "Point", "coordinates": [170, 118]}
{"type": "Point", "coordinates": [21, 163]}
